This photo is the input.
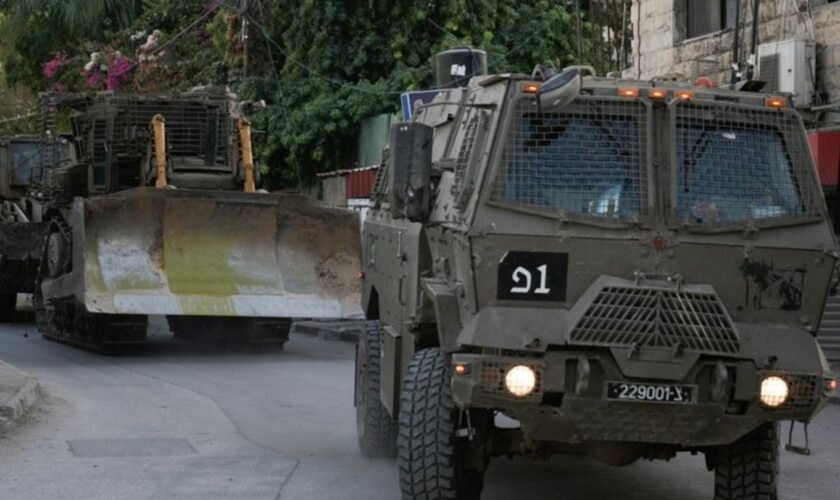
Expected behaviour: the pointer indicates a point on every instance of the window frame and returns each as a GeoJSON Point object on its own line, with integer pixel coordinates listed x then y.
{"type": "Point", "coordinates": [647, 188]}
{"type": "Point", "coordinates": [801, 165]}
{"type": "Point", "coordinates": [682, 21]}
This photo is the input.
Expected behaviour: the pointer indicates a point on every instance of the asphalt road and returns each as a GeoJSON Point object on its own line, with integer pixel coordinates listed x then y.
{"type": "Point", "coordinates": [181, 421]}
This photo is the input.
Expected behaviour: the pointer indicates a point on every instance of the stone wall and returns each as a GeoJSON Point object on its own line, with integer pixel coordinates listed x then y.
{"type": "Point", "coordinates": [659, 47]}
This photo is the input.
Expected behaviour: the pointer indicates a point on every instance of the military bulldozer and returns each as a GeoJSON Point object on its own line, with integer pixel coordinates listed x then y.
{"type": "Point", "coordinates": [623, 269]}
{"type": "Point", "coordinates": [157, 213]}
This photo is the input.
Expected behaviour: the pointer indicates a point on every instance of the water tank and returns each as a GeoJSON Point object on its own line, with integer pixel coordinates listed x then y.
{"type": "Point", "coordinates": [456, 66]}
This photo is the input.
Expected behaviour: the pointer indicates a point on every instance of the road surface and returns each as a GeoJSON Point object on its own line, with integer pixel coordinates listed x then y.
{"type": "Point", "coordinates": [182, 421]}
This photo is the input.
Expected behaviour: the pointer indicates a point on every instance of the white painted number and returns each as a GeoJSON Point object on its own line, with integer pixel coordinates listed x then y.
{"type": "Point", "coordinates": [521, 273]}
{"type": "Point", "coordinates": [542, 290]}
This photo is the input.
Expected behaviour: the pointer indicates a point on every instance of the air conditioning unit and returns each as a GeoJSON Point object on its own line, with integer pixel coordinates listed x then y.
{"type": "Point", "coordinates": [789, 66]}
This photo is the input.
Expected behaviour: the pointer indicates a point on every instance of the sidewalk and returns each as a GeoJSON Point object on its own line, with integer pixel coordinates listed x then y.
{"type": "Point", "coordinates": [18, 392]}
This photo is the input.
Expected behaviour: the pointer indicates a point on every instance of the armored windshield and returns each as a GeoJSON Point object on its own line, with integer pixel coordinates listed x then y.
{"type": "Point", "coordinates": [734, 166]}
{"type": "Point", "coordinates": [27, 157]}
{"type": "Point", "coordinates": [586, 160]}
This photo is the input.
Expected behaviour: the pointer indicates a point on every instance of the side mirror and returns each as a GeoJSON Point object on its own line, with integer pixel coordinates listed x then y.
{"type": "Point", "coordinates": [560, 89]}
{"type": "Point", "coordinates": [411, 167]}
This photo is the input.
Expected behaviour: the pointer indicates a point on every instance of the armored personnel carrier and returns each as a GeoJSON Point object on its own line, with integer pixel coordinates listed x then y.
{"type": "Point", "coordinates": [624, 269]}
{"type": "Point", "coordinates": [157, 213]}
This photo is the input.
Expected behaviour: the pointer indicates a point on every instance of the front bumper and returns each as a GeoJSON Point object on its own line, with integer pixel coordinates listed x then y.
{"type": "Point", "coordinates": [569, 404]}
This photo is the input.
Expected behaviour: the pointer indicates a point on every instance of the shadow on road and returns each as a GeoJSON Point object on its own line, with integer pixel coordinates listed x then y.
{"type": "Point", "coordinates": [580, 478]}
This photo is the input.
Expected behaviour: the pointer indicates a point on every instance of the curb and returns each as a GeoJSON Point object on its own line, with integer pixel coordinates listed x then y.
{"type": "Point", "coordinates": [347, 331]}
{"type": "Point", "coordinates": [16, 405]}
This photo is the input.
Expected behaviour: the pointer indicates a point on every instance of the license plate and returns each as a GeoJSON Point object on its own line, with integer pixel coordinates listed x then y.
{"type": "Point", "coordinates": [651, 393]}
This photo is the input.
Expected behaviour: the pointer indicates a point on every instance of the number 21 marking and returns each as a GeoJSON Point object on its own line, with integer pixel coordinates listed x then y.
{"type": "Point", "coordinates": [522, 273]}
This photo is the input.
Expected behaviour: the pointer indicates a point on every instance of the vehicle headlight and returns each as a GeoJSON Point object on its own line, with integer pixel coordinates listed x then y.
{"type": "Point", "coordinates": [774, 391]}
{"type": "Point", "coordinates": [521, 380]}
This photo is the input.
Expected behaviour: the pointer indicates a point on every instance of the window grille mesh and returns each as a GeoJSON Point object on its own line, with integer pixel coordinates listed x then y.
{"type": "Point", "coordinates": [735, 165]}
{"type": "Point", "coordinates": [657, 317]}
{"type": "Point", "coordinates": [200, 133]}
{"type": "Point", "coordinates": [465, 152]}
{"type": "Point", "coordinates": [586, 159]}
{"type": "Point", "coordinates": [383, 178]}
{"type": "Point", "coordinates": [803, 391]}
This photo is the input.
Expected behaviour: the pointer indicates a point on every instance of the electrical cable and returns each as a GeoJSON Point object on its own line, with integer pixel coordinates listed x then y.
{"type": "Point", "coordinates": [18, 118]}
{"type": "Point", "coordinates": [183, 32]}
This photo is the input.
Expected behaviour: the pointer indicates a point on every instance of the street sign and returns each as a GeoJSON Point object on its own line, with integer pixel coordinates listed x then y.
{"type": "Point", "coordinates": [412, 100]}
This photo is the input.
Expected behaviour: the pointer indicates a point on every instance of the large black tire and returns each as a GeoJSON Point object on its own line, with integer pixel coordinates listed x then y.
{"type": "Point", "coordinates": [8, 306]}
{"type": "Point", "coordinates": [376, 429]}
{"type": "Point", "coordinates": [431, 458]}
{"type": "Point", "coordinates": [748, 469]}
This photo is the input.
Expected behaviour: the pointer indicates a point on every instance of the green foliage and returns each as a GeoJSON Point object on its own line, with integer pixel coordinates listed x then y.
{"type": "Point", "coordinates": [357, 57]}
{"type": "Point", "coordinates": [322, 66]}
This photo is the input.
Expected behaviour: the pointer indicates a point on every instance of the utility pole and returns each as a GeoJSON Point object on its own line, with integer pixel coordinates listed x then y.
{"type": "Point", "coordinates": [243, 10]}
{"type": "Point", "coordinates": [579, 32]}
{"type": "Point", "coordinates": [754, 45]}
{"type": "Point", "coordinates": [622, 58]}
{"type": "Point", "coordinates": [736, 44]}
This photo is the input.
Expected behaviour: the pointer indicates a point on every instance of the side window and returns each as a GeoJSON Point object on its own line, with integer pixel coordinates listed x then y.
{"type": "Point", "coordinates": [469, 158]}
{"type": "Point", "coordinates": [695, 18]}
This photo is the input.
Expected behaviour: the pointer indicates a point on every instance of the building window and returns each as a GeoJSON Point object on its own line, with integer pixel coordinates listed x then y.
{"type": "Point", "coordinates": [708, 16]}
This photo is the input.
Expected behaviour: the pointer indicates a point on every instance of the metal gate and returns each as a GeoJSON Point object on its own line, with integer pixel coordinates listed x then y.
{"type": "Point", "coordinates": [829, 335]}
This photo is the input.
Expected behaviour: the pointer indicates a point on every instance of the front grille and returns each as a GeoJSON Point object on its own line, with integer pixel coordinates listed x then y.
{"type": "Point", "coordinates": [657, 317]}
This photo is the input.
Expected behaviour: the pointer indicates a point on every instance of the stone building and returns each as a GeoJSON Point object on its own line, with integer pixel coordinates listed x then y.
{"type": "Point", "coordinates": [694, 38]}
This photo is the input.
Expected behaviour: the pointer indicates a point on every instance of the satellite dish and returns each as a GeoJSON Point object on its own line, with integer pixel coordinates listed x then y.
{"type": "Point", "coordinates": [560, 89]}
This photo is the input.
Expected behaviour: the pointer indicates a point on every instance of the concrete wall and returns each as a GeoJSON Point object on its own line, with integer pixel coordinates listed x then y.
{"type": "Point", "coordinates": [660, 47]}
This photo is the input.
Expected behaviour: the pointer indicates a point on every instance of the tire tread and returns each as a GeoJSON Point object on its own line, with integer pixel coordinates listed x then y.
{"type": "Point", "coordinates": [379, 438]}
{"type": "Point", "coordinates": [748, 469]}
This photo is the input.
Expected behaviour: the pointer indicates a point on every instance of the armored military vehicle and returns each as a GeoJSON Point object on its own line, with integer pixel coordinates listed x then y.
{"type": "Point", "coordinates": [624, 269]}
{"type": "Point", "coordinates": [157, 213]}
{"type": "Point", "coordinates": [21, 237]}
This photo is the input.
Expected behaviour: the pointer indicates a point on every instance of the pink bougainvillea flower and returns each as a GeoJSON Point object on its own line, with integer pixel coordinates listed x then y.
{"type": "Point", "coordinates": [119, 72]}
{"type": "Point", "coordinates": [93, 79]}
{"type": "Point", "coordinates": [51, 67]}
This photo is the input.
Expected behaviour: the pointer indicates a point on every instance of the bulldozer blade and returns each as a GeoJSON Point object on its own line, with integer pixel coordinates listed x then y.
{"type": "Point", "coordinates": [210, 253]}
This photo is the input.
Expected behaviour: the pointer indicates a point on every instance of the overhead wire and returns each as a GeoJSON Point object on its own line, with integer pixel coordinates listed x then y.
{"type": "Point", "coordinates": [190, 27]}
{"type": "Point", "coordinates": [18, 118]}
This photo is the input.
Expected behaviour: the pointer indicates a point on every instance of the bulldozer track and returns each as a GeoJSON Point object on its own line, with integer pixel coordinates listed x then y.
{"type": "Point", "coordinates": [66, 320]}
{"type": "Point", "coordinates": [69, 323]}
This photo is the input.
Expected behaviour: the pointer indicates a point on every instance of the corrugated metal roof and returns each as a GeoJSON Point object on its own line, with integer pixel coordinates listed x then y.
{"type": "Point", "coordinates": [346, 171]}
